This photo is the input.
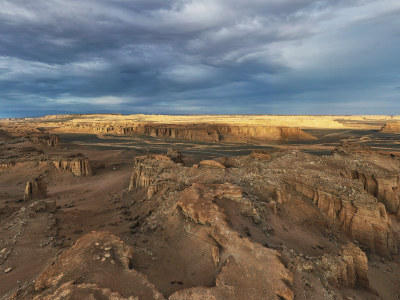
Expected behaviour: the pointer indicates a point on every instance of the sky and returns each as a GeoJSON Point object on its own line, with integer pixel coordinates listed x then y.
{"type": "Point", "coordinates": [199, 57]}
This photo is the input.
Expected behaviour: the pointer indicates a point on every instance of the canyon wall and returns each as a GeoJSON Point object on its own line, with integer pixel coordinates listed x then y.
{"type": "Point", "coordinates": [197, 132]}
{"type": "Point", "coordinates": [386, 190]}
{"type": "Point", "coordinates": [361, 218]}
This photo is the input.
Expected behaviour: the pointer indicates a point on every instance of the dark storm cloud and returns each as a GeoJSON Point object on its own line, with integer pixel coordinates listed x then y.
{"type": "Point", "coordinates": [200, 56]}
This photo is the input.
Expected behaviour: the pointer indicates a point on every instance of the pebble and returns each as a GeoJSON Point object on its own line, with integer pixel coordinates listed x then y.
{"type": "Point", "coordinates": [7, 270]}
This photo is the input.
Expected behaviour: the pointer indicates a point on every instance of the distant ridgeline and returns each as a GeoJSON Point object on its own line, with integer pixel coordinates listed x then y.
{"type": "Point", "coordinates": [198, 132]}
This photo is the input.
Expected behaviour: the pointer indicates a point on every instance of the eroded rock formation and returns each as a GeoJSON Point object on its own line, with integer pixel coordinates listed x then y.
{"type": "Point", "coordinates": [77, 164]}
{"type": "Point", "coordinates": [251, 270]}
{"type": "Point", "coordinates": [144, 171]}
{"type": "Point", "coordinates": [386, 190]}
{"type": "Point", "coordinates": [36, 188]}
{"type": "Point", "coordinates": [50, 140]}
{"type": "Point", "coordinates": [175, 155]}
{"type": "Point", "coordinates": [391, 127]}
{"type": "Point", "coordinates": [198, 132]}
{"type": "Point", "coordinates": [349, 268]}
{"type": "Point", "coordinates": [360, 215]}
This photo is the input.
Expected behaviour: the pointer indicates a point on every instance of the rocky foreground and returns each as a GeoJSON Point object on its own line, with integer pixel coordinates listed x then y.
{"type": "Point", "coordinates": [279, 224]}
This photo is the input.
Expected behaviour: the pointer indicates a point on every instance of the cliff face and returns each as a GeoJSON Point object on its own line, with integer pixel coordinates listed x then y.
{"type": "Point", "coordinates": [76, 164]}
{"type": "Point", "coordinates": [349, 268]}
{"type": "Point", "coordinates": [360, 215]}
{"type": "Point", "coordinates": [144, 173]}
{"type": "Point", "coordinates": [363, 220]}
{"type": "Point", "coordinates": [391, 128]}
{"type": "Point", "coordinates": [200, 132]}
{"type": "Point", "coordinates": [50, 140]}
{"type": "Point", "coordinates": [386, 190]}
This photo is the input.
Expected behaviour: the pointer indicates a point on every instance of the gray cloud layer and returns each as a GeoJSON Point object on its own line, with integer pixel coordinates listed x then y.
{"type": "Point", "coordinates": [200, 56]}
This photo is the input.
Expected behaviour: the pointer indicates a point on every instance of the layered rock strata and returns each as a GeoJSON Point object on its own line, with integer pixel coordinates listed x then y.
{"type": "Point", "coordinates": [50, 140]}
{"type": "Point", "coordinates": [77, 164]}
{"type": "Point", "coordinates": [144, 173]}
{"type": "Point", "coordinates": [344, 200]}
{"type": "Point", "coordinates": [349, 268]}
{"type": "Point", "coordinates": [198, 132]}
{"type": "Point", "coordinates": [360, 216]}
{"type": "Point", "coordinates": [386, 190]}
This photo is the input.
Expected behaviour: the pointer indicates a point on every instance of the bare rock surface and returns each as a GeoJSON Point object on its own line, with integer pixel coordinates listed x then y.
{"type": "Point", "coordinates": [259, 274]}
{"type": "Point", "coordinates": [349, 268]}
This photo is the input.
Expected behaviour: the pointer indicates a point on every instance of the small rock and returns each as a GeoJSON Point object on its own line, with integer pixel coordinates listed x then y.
{"type": "Point", "coordinates": [7, 270]}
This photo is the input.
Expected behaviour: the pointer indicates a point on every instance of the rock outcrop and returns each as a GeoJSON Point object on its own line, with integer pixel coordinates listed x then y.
{"type": "Point", "coordinates": [362, 217]}
{"type": "Point", "coordinates": [251, 270]}
{"type": "Point", "coordinates": [358, 213]}
{"type": "Point", "coordinates": [391, 127]}
{"type": "Point", "coordinates": [349, 268]}
{"type": "Point", "coordinates": [386, 190]}
{"type": "Point", "coordinates": [77, 164]}
{"type": "Point", "coordinates": [36, 188]}
{"type": "Point", "coordinates": [175, 155]}
{"type": "Point", "coordinates": [212, 163]}
{"type": "Point", "coordinates": [51, 140]}
{"type": "Point", "coordinates": [144, 171]}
